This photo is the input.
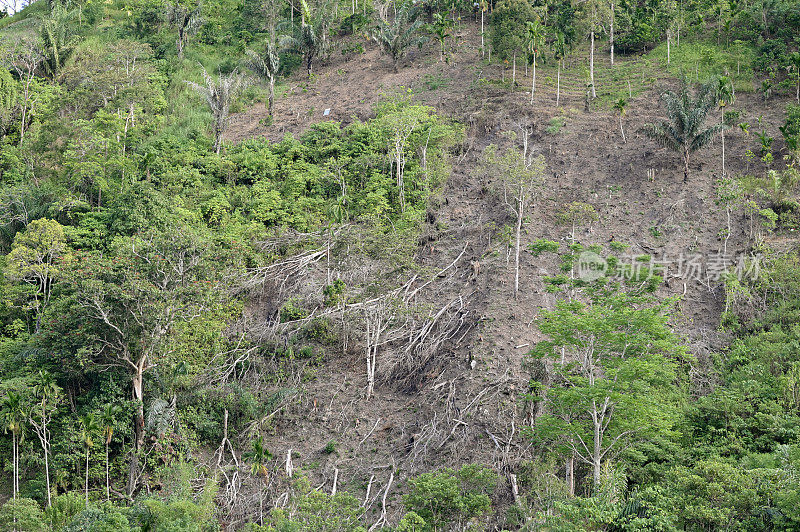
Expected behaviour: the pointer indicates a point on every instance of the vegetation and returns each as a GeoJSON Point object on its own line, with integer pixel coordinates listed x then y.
{"type": "Point", "coordinates": [219, 316]}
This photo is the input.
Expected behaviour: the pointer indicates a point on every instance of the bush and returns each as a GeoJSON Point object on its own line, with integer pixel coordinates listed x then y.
{"type": "Point", "coordinates": [22, 515]}
{"type": "Point", "coordinates": [446, 497]}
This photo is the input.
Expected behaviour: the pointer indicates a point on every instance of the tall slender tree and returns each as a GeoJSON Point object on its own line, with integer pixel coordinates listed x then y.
{"type": "Point", "coordinates": [185, 17]}
{"type": "Point", "coordinates": [89, 427]}
{"type": "Point", "coordinates": [520, 174]}
{"type": "Point", "coordinates": [724, 97]}
{"type": "Point", "coordinates": [47, 394]}
{"type": "Point", "coordinates": [535, 41]}
{"type": "Point", "coordinates": [259, 457]}
{"type": "Point", "coordinates": [14, 416]}
{"type": "Point", "coordinates": [107, 419]}
{"type": "Point", "coordinates": [621, 106]}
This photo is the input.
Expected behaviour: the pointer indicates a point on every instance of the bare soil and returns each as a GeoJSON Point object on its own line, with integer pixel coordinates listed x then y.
{"type": "Point", "coordinates": [469, 408]}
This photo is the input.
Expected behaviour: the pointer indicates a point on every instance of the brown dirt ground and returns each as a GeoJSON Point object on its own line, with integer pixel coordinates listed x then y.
{"type": "Point", "coordinates": [587, 161]}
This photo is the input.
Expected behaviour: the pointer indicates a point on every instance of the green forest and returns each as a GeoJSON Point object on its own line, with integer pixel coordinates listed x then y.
{"type": "Point", "coordinates": [402, 265]}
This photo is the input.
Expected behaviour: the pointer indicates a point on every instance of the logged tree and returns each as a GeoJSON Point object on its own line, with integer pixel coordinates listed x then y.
{"type": "Point", "coordinates": [519, 175]}
{"type": "Point", "coordinates": [397, 35]}
{"type": "Point", "coordinates": [684, 132]}
{"type": "Point", "coordinates": [218, 94]}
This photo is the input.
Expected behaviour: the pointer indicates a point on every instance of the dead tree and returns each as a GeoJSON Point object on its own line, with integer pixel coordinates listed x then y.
{"type": "Point", "coordinates": [519, 174]}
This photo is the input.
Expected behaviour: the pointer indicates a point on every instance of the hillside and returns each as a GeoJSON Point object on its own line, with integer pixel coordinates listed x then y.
{"type": "Point", "coordinates": [313, 320]}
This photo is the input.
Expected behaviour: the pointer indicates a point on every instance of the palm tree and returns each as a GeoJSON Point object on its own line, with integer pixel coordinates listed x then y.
{"type": "Point", "coordinates": [724, 96]}
{"type": "Point", "coordinates": [88, 429]}
{"type": "Point", "coordinates": [258, 456]}
{"type": "Point", "coordinates": [58, 38]}
{"type": "Point", "coordinates": [684, 131]}
{"type": "Point", "coordinates": [186, 19]}
{"type": "Point", "coordinates": [13, 415]}
{"type": "Point", "coordinates": [47, 392]}
{"type": "Point", "coordinates": [266, 66]}
{"type": "Point", "coordinates": [218, 95]}
{"type": "Point", "coordinates": [534, 43]}
{"type": "Point", "coordinates": [310, 39]}
{"type": "Point", "coordinates": [621, 107]}
{"type": "Point", "coordinates": [107, 419]}
{"type": "Point", "coordinates": [401, 33]}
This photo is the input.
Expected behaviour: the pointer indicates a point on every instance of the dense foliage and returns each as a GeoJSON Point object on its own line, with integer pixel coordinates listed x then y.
{"type": "Point", "coordinates": [131, 229]}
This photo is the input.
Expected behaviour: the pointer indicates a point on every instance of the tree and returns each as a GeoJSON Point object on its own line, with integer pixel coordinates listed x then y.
{"type": "Point", "coordinates": [266, 66]}
{"type": "Point", "coordinates": [621, 106]}
{"type": "Point", "coordinates": [107, 420]}
{"type": "Point", "coordinates": [184, 16]}
{"type": "Point", "coordinates": [396, 36]}
{"type": "Point", "coordinates": [259, 456]}
{"type": "Point", "coordinates": [310, 39]}
{"type": "Point", "coordinates": [509, 29]}
{"type": "Point", "coordinates": [614, 365]}
{"type": "Point", "coordinates": [89, 427]}
{"type": "Point", "coordinates": [447, 499]}
{"type": "Point", "coordinates": [22, 515]}
{"type": "Point", "coordinates": [400, 121]}
{"type": "Point", "coordinates": [593, 16]}
{"type": "Point", "coordinates": [441, 30]}
{"type": "Point", "coordinates": [535, 41]}
{"type": "Point", "coordinates": [684, 131]}
{"type": "Point", "coordinates": [35, 259]}
{"type": "Point", "coordinates": [724, 96]}
{"type": "Point", "coordinates": [219, 94]}
{"type": "Point", "coordinates": [519, 174]}
{"type": "Point", "coordinates": [47, 395]}
{"type": "Point", "coordinates": [130, 305]}
{"type": "Point", "coordinates": [559, 53]}
{"type": "Point", "coordinates": [58, 38]}
{"type": "Point", "coordinates": [794, 65]}
{"type": "Point", "coordinates": [25, 57]}
{"type": "Point", "coordinates": [14, 416]}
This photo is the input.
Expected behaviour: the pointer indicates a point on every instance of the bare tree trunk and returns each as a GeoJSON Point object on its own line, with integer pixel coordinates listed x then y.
{"type": "Point", "coordinates": [591, 66]}
{"type": "Point", "coordinates": [622, 130]}
{"type": "Point", "coordinates": [483, 47]}
{"type": "Point", "coordinates": [86, 482]}
{"type": "Point", "coordinates": [108, 483]}
{"type": "Point", "coordinates": [533, 80]}
{"type": "Point", "coordinates": [569, 475]}
{"type": "Point", "coordinates": [686, 165]}
{"type": "Point", "coordinates": [611, 34]}
{"type": "Point", "coordinates": [669, 37]}
{"type": "Point", "coordinates": [558, 83]}
{"type": "Point", "coordinates": [722, 132]}
{"type": "Point", "coordinates": [520, 207]}
{"type": "Point", "coordinates": [271, 96]}
{"type": "Point", "coordinates": [514, 71]}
